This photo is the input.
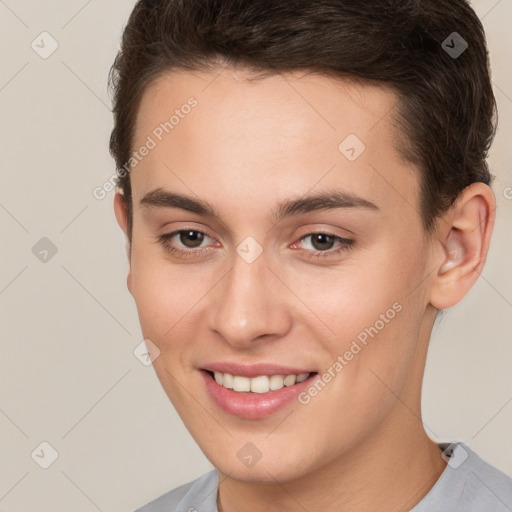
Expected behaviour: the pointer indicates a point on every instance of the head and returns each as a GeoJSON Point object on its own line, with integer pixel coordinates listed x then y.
{"type": "Point", "coordinates": [313, 190]}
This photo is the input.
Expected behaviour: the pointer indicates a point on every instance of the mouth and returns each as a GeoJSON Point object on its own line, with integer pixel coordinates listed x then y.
{"type": "Point", "coordinates": [260, 384]}
{"type": "Point", "coordinates": [262, 394]}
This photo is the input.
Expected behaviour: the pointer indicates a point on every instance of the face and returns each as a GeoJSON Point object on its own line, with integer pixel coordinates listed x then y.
{"type": "Point", "coordinates": [277, 239]}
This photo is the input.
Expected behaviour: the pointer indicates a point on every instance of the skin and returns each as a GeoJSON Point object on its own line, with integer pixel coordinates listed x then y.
{"type": "Point", "coordinates": [246, 147]}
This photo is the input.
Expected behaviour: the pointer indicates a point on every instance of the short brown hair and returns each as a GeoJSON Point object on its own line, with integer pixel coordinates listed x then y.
{"type": "Point", "coordinates": [447, 110]}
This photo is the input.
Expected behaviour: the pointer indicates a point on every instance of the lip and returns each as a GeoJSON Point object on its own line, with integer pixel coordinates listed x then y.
{"type": "Point", "coordinates": [254, 370]}
{"type": "Point", "coordinates": [254, 405]}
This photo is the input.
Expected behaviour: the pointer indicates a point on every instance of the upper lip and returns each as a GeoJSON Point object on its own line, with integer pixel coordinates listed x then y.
{"type": "Point", "coordinates": [254, 370]}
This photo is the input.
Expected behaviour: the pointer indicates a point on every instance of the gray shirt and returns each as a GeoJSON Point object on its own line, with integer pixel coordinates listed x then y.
{"type": "Point", "coordinates": [467, 484]}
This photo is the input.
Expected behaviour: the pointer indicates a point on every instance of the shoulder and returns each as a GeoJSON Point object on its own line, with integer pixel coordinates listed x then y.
{"type": "Point", "coordinates": [468, 484]}
{"type": "Point", "coordinates": [199, 495]}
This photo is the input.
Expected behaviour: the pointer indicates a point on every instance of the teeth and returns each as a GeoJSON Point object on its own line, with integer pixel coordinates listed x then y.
{"type": "Point", "coordinates": [260, 384]}
{"type": "Point", "coordinates": [290, 380]}
{"type": "Point", "coordinates": [276, 382]}
{"type": "Point", "coordinates": [227, 380]}
{"type": "Point", "coordinates": [241, 383]}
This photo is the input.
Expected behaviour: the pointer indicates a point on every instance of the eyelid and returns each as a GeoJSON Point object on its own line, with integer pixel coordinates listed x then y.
{"type": "Point", "coordinates": [326, 233]}
{"type": "Point", "coordinates": [174, 232]}
{"type": "Point", "coordinates": [326, 230]}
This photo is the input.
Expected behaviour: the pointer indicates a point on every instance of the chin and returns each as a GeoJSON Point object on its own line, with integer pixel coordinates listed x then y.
{"type": "Point", "coordinates": [262, 472]}
{"type": "Point", "coordinates": [278, 465]}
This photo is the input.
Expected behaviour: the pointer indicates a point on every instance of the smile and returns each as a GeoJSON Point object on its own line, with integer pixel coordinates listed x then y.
{"type": "Point", "coordinates": [257, 391]}
{"type": "Point", "coordinates": [260, 384]}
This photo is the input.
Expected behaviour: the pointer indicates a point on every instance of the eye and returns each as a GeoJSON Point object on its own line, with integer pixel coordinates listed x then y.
{"type": "Point", "coordinates": [321, 244]}
{"type": "Point", "coordinates": [183, 242]}
{"type": "Point", "coordinates": [189, 242]}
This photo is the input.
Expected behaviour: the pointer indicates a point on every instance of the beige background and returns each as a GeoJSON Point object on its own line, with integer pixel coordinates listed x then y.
{"type": "Point", "coordinates": [69, 326]}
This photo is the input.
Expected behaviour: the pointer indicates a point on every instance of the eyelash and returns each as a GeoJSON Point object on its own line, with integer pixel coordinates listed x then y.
{"type": "Point", "coordinates": [345, 244]}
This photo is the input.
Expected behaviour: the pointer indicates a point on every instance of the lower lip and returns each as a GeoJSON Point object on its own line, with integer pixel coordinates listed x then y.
{"type": "Point", "coordinates": [253, 405]}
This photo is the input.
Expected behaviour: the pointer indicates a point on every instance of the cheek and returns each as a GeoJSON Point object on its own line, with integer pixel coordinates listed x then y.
{"type": "Point", "coordinates": [360, 292]}
{"type": "Point", "coordinates": [167, 298]}
{"type": "Point", "coordinates": [164, 294]}
{"type": "Point", "coordinates": [371, 310]}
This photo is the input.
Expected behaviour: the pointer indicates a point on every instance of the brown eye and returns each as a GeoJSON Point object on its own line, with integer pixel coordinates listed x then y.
{"type": "Point", "coordinates": [184, 242]}
{"type": "Point", "coordinates": [322, 241]}
{"type": "Point", "coordinates": [323, 245]}
{"type": "Point", "coordinates": [191, 239]}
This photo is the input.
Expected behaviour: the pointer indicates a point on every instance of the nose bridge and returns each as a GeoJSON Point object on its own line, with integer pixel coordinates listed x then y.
{"type": "Point", "coordinates": [249, 303]}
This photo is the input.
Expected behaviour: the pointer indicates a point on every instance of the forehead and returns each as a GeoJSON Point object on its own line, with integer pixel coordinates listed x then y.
{"type": "Point", "coordinates": [323, 105]}
{"type": "Point", "coordinates": [280, 134]}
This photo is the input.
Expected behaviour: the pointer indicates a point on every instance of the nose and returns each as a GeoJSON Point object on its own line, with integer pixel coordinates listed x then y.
{"type": "Point", "coordinates": [250, 304]}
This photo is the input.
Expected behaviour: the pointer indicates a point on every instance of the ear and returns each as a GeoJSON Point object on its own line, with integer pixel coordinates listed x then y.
{"type": "Point", "coordinates": [463, 238]}
{"type": "Point", "coordinates": [122, 220]}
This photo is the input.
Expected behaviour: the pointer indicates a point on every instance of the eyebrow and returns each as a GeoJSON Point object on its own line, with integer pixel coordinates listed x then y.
{"type": "Point", "coordinates": [328, 200]}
